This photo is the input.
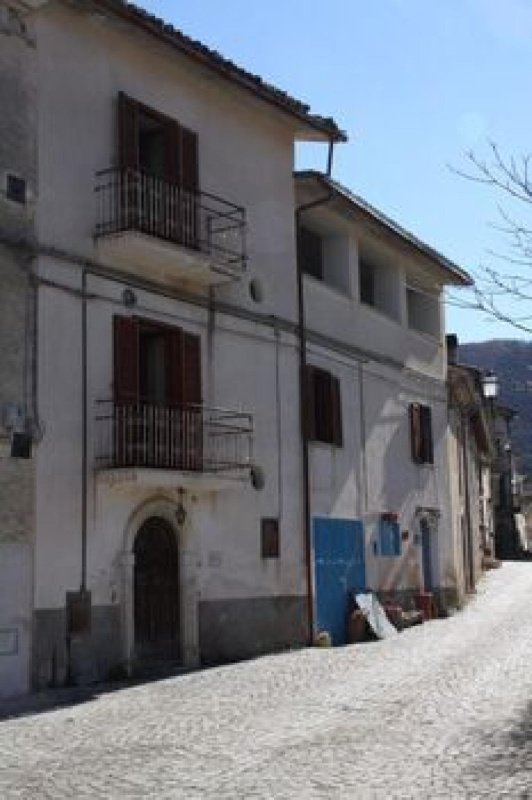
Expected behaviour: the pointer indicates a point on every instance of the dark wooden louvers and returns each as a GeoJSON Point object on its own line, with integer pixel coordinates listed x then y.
{"type": "Point", "coordinates": [126, 359]}
{"type": "Point", "coordinates": [416, 441]}
{"type": "Point", "coordinates": [323, 406]}
{"type": "Point", "coordinates": [128, 132]}
{"type": "Point", "coordinates": [421, 434]}
{"type": "Point", "coordinates": [426, 428]}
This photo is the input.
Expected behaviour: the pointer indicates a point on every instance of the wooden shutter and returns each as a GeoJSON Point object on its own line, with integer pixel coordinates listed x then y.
{"type": "Point", "coordinates": [175, 366]}
{"type": "Point", "coordinates": [426, 432]}
{"type": "Point", "coordinates": [310, 402]}
{"type": "Point", "coordinates": [126, 359]}
{"type": "Point", "coordinates": [416, 441]}
{"type": "Point", "coordinates": [172, 133]}
{"type": "Point", "coordinates": [191, 374]}
{"type": "Point", "coordinates": [128, 132]}
{"type": "Point", "coordinates": [189, 176]}
{"type": "Point", "coordinates": [336, 412]}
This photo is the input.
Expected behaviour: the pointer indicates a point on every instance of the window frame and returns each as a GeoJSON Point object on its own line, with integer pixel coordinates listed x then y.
{"type": "Point", "coordinates": [323, 407]}
{"type": "Point", "coordinates": [421, 433]}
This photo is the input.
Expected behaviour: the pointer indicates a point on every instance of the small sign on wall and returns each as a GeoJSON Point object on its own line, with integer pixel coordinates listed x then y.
{"type": "Point", "coordinates": [8, 641]}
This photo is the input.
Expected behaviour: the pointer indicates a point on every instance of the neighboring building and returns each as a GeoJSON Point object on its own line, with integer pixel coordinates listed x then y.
{"type": "Point", "coordinates": [471, 456]}
{"type": "Point", "coordinates": [159, 222]}
{"type": "Point", "coordinates": [507, 488]}
{"type": "Point", "coordinates": [379, 472]}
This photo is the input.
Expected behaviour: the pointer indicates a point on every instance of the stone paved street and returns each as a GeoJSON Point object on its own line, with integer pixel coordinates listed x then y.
{"type": "Point", "coordinates": [444, 710]}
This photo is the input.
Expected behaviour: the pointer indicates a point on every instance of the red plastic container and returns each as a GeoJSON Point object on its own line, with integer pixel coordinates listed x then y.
{"type": "Point", "coordinates": [425, 603]}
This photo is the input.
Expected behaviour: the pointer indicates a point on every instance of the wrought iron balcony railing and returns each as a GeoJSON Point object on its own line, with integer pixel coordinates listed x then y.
{"type": "Point", "coordinates": [133, 200]}
{"type": "Point", "coordinates": [186, 438]}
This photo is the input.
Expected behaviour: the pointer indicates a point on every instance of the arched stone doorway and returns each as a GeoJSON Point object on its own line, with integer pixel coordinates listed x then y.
{"type": "Point", "coordinates": [156, 595]}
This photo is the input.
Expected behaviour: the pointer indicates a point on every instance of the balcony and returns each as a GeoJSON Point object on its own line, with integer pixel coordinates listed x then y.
{"type": "Point", "coordinates": [160, 231]}
{"type": "Point", "coordinates": [164, 446]}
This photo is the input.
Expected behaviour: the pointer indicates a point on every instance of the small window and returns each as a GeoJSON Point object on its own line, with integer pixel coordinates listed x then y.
{"type": "Point", "coordinates": [269, 535]}
{"type": "Point", "coordinates": [367, 282]}
{"type": "Point", "coordinates": [16, 189]}
{"type": "Point", "coordinates": [324, 412]}
{"type": "Point", "coordinates": [421, 434]}
{"type": "Point", "coordinates": [389, 538]}
{"type": "Point", "coordinates": [311, 253]}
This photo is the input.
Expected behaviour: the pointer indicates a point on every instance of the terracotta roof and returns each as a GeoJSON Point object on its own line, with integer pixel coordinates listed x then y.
{"type": "Point", "coordinates": [223, 66]}
{"type": "Point", "coordinates": [459, 275]}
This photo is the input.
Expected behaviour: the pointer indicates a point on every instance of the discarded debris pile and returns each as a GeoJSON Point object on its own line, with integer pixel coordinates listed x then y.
{"type": "Point", "coordinates": [369, 620]}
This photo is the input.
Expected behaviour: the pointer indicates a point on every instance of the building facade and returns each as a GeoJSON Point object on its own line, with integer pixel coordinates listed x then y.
{"type": "Point", "coordinates": [374, 316]}
{"type": "Point", "coordinates": [218, 387]}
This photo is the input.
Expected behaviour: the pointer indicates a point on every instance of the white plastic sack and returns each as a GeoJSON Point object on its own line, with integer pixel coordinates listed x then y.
{"type": "Point", "coordinates": [376, 616]}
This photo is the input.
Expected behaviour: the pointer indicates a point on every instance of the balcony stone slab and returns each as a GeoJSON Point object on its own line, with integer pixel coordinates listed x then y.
{"type": "Point", "coordinates": [164, 262]}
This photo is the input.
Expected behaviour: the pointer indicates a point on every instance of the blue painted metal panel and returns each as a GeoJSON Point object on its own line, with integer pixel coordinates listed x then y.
{"type": "Point", "coordinates": [339, 559]}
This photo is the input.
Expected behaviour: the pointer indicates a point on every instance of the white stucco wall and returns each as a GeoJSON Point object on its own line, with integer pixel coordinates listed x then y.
{"type": "Point", "coordinates": [245, 149]}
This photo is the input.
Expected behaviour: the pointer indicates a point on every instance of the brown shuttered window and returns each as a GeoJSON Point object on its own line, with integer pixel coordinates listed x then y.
{"type": "Point", "coordinates": [323, 407]}
{"type": "Point", "coordinates": [126, 359]}
{"type": "Point", "coordinates": [177, 158]}
{"type": "Point", "coordinates": [189, 160]}
{"type": "Point", "coordinates": [426, 427]}
{"type": "Point", "coordinates": [181, 352]}
{"type": "Point", "coordinates": [421, 440]}
{"type": "Point", "coordinates": [191, 374]}
{"type": "Point", "coordinates": [128, 132]}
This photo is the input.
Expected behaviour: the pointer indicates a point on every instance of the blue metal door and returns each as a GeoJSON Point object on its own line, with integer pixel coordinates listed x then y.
{"type": "Point", "coordinates": [339, 567]}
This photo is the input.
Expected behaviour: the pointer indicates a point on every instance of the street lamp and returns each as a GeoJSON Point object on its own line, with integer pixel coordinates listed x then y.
{"type": "Point", "coordinates": [490, 386]}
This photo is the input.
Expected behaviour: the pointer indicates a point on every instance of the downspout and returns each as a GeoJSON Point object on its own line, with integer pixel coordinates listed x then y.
{"type": "Point", "coordinates": [467, 498]}
{"type": "Point", "coordinates": [302, 335]}
{"type": "Point", "coordinates": [83, 585]}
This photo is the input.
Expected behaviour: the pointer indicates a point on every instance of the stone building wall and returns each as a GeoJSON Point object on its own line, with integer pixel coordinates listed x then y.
{"type": "Point", "coordinates": [17, 405]}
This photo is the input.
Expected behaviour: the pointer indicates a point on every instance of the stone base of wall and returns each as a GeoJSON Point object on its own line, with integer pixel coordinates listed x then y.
{"type": "Point", "coordinates": [87, 659]}
{"type": "Point", "coordinates": [231, 630]}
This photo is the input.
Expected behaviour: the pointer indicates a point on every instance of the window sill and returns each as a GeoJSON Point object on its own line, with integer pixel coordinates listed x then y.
{"type": "Point", "coordinates": [324, 445]}
{"type": "Point", "coordinates": [333, 290]}
{"type": "Point", "coordinates": [380, 313]}
{"type": "Point", "coordinates": [429, 337]}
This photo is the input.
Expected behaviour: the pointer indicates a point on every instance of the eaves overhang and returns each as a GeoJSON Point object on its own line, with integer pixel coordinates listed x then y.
{"type": "Point", "coordinates": [322, 128]}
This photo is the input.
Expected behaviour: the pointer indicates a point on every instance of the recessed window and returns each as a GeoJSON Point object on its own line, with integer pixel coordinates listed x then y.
{"type": "Point", "coordinates": [423, 311]}
{"type": "Point", "coordinates": [421, 434]}
{"type": "Point", "coordinates": [367, 282]}
{"type": "Point", "coordinates": [311, 253]}
{"type": "Point", "coordinates": [324, 409]}
{"type": "Point", "coordinates": [379, 283]}
{"type": "Point", "coordinates": [269, 535]}
{"type": "Point", "coordinates": [16, 189]}
{"type": "Point", "coordinates": [326, 257]}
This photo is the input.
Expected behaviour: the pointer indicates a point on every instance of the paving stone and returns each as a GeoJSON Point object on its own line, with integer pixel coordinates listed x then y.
{"type": "Point", "coordinates": [442, 711]}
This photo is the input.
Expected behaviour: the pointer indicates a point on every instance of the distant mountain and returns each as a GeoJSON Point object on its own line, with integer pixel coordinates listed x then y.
{"type": "Point", "coordinates": [511, 361]}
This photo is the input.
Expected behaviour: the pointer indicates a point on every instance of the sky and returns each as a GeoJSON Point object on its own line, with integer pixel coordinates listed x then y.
{"type": "Point", "coordinates": [416, 84]}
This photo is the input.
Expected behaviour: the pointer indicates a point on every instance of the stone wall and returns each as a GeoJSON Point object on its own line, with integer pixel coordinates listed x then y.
{"type": "Point", "coordinates": [17, 407]}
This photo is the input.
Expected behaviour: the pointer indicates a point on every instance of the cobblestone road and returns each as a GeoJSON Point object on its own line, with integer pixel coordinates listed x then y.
{"type": "Point", "coordinates": [444, 710]}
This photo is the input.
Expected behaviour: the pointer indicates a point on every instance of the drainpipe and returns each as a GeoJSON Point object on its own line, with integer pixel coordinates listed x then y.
{"type": "Point", "coordinates": [83, 585]}
{"type": "Point", "coordinates": [467, 500]}
{"type": "Point", "coordinates": [302, 334]}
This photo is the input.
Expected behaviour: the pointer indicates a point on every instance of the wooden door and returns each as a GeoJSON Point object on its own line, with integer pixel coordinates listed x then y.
{"type": "Point", "coordinates": [156, 592]}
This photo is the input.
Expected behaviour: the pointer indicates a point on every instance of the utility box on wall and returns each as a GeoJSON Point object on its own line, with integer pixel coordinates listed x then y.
{"type": "Point", "coordinates": [79, 613]}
